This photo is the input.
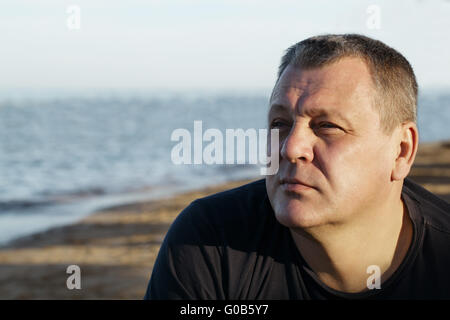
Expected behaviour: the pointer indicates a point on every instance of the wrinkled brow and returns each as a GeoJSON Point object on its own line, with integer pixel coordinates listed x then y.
{"type": "Point", "coordinates": [276, 107]}
{"type": "Point", "coordinates": [311, 112]}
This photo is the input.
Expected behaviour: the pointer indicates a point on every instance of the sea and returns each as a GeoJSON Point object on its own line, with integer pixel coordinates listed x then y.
{"type": "Point", "coordinates": [65, 154]}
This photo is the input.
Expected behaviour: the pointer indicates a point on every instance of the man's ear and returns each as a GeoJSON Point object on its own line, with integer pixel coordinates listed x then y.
{"type": "Point", "coordinates": [407, 143]}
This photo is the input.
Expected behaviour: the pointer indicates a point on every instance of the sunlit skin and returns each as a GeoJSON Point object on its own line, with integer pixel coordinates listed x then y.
{"type": "Point", "coordinates": [351, 215]}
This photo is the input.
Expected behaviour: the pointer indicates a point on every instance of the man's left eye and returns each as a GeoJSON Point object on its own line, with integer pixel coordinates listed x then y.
{"type": "Point", "coordinates": [327, 125]}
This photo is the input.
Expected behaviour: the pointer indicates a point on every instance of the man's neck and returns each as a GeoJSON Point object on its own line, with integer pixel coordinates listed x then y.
{"type": "Point", "coordinates": [340, 255]}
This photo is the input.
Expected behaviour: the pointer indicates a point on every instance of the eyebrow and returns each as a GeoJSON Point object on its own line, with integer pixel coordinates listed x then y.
{"type": "Point", "coordinates": [316, 112]}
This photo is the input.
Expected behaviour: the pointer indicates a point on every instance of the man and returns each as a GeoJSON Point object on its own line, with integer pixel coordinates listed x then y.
{"type": "Point", "coordinates": [339, 219]}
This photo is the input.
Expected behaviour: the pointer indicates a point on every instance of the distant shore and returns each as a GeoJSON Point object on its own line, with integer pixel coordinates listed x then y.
{"type": "Point", "coordinates": [115, 248]}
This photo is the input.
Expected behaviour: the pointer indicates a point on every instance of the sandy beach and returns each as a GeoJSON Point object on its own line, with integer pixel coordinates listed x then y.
{"type": "Point", "coordinates": [115, 248]}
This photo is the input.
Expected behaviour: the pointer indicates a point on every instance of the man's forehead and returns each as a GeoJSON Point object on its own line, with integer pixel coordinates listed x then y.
{"type": "Point", "coordinates": [320, 98]}
{"type": "Point", "coordinates": [345, 117]}
{"type": "Point", "coordinates": [297, 81]}
{"type": "Point", "coordinates": [286, 90]}
{"type": "Point", "coordinates": [337, 85]}
{"type": "Point", "coordinates": [346, 74]}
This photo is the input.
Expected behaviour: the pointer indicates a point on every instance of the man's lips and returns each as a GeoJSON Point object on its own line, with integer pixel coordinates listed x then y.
{"type": "Point", "coordinates": [294, 185]}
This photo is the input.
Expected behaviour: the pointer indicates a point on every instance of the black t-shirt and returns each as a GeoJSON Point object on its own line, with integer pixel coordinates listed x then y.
{"type": "Point", "coordinates": [231, 246]}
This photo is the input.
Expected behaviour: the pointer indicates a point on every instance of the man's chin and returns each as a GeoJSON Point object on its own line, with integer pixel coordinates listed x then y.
{"type": "Point", "coordinates": [298, 217]}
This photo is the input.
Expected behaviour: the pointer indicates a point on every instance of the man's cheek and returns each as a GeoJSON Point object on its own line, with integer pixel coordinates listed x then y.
{"type": "Point", "coordinates": [340, 171]}
{"type": "Point", "coordinates": [271, 185]}
{"type": "Point", "coordinates": [345, 159]}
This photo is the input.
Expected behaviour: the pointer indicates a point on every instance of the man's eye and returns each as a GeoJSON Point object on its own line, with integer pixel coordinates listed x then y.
{"type": "Point", "coordinates": [327, 125]}
{"type": "Point", "coordinates": [277, 124]}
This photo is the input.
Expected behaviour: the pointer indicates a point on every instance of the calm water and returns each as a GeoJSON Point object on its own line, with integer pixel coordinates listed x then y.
{"type": "Point", "coordinates": [63, 156]}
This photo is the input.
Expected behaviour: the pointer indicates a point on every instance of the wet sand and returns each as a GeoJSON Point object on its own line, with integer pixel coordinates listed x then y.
{"type": "Point", "coordinates": [115, 248]}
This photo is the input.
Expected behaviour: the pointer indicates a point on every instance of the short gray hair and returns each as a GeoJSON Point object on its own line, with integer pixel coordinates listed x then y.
{"type": "Point", "coordinates": [392, 75]}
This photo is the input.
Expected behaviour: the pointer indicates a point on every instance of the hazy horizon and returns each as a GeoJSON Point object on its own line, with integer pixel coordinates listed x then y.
{"type": "Point", "coordinates": [201, 45]}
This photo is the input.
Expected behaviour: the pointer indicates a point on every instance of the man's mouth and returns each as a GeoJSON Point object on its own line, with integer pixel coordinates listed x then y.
{"type": "Point", "coordinates": [294, 185]}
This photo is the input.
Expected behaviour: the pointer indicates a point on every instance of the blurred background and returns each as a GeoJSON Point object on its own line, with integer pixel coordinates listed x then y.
{"type": "Point", "coordinates": [90, 91]}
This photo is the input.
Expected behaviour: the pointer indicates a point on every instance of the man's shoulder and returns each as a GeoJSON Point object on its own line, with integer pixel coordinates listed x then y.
{"type": "Point", "coordinates": [234, 204]}
{"type": "Point", "coordinates": [249, 193]}
{"type": "Point", "coordinates": [434, 210]}
{"type": "Point", "coordinates": [229, 206]}
{"type": "Point", "coordinates": [434, 231]}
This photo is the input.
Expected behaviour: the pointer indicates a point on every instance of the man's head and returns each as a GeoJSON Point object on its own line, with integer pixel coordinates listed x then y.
{"type": "Point", "coordinates": [345, 106]}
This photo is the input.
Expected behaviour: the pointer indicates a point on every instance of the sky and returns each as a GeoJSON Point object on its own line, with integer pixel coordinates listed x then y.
{"type": "Point", "coordinates": [231, 44]}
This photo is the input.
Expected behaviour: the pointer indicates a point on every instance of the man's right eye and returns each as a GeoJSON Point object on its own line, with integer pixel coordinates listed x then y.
{"type": "Point", "coordinates": [277, 124]}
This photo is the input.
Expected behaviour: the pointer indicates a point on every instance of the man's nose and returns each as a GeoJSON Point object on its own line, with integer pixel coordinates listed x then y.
{"type": "Point", "coordinates": [298, 145]}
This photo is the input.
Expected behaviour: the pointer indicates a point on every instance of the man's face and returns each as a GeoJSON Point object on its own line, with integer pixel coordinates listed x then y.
{"type": "Point", "coordinates": [331, 140]}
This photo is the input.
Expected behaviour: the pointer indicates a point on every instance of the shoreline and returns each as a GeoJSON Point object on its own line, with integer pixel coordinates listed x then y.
{"type": "Point", "coordinates": [115, 247]}
{"type": "Point", "coordinates": [118, 242]}
{"type": "Point", "coordinates": [67, 210]}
